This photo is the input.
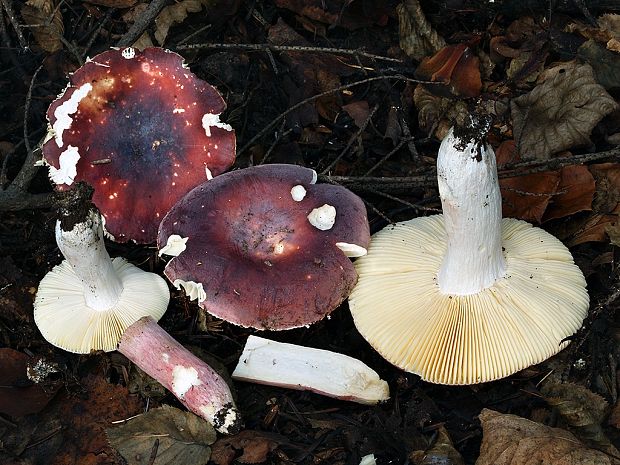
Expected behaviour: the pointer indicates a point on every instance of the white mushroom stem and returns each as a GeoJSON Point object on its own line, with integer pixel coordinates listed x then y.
{"type": "Point", "coordinates": [304, 368]}
{"type": "Point", "coordinates": [84, 248]}
{"type": "Point", "coordinates": [472, 209]}
{"type": "Point", "coordinates": [200, 388]}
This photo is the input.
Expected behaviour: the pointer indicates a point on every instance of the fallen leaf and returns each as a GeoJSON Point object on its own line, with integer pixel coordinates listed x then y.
{"type": "Point", "coordinates": [560, 113]}
{"type": "Point", "coordinates": [592, 229]}
{"type": "Point", "coordinates": [114, 3]}
{"type": "Point", "coordinates": [45, 20]}
{"type": "Point", "coordinates": [582, 410]}
{"type": "Point", "coordinates": [607, 196]}
{"type": "Point", "coordinates": [254, 445]}
{"type": "Point", "coordinates": [605, 63]}
{"type": "Point", "coordinates": [441, 453]}
{"type": "Point", "coordinates": [513, 440]}
{"type": "Point", "coordinates": [171, 435]}
{"type": "Point", "coordinates": [527, 197]}
{"type": "Point", "coordinates": [359, 111]}
{"type": "Point", "coordinates": [575, 193]}
{"type": "Point", "coordinates": [417, 37]}
{"type": "Point", "coordinates": [19, 395]}
{"type": "Point", "coordinates": [456, 68]}
{"type": "Point", "coordinates": [437, 114]}
{"type": "Point", "coordinates": [506, 153]}
{"type": "Point", "coordinates": [175, 13]}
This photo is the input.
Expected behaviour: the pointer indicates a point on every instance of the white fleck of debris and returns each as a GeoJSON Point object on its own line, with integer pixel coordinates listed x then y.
{"type": "Point", "coordinates": [62, 112]}
{"type": "Point", "coordinates": [192, 289]}
{"type": "Point", "coordinates": [183, 379]}
{"type": "Point", "coordinates": [67, 169]}
{"type": "Point", "coordinates": [209, 174]}
{"type": "Point", "coordinates": [298, 193]}
{"type": "Point", "coordinates": [352, 250]}
{"type": "Point", "coordinates": [40, 370]}
{"type": "Point", "coordinates": [278, 248]}
{"type": "Point", "coordinates": [368, 460]}
{"type": "Point", "coordinates": [174, 246]}
{"type": "Point", "coordinates": [178, 110]}
{"type": "Point", "coordinates": [128, 53]}
{"type": "Point", "coordinates": [323, 218]}
{"type": "Point", "coordinates": [209, 120]}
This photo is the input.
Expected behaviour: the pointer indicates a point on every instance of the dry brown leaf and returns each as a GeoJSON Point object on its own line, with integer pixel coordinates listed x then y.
{"type": "Point", "coordinates": [506, 153]}
{"type": "Point", "coordinates": [592, 229]}
{"type": "Point", "coordinates": [513, 440]}
{"type": "Point", "coordinates": [254, 444]}
{"type": "Point", "coordinates": [575, 193]}
{"type": "Point", "coordinates": [437, 114]}
{"type": "Point", "coordinates": [176, 13]}
{"type": "Point", "coordinates": [441, 453]}
{"type": "Point", "coordinates": [527, 197]}
{"type": "Point", "coordinates": [45, 21]}
{"type": "Point", "coordinates": [606, 64]}
{"type": "Point", "coordinates": [559, 113]}
{"type": "Point", "coordinates": [114, 3]}
{"type": "Point", "coordinates": [358, 111]}
{"type": "Point", "coordinates": [417, 37]}
{"type": "Point", "coordinates": [607, 196]}
{"type": "Point", "coordinates": [582, 410]}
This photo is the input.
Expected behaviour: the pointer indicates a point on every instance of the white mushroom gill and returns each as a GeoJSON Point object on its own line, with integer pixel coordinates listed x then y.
{"type": "Point", "coordinates": [67, 169]}
{"type": "Point", "coordinates": [472, 208]}
{"type": "Point", "coordinates": [210, 120]}
{"type": "Point", "coordinates": [323, 217]}
{"type": "Point", "coordinates": [298, 193]}
{"type": "Point", "coordinates": [175, 245]}
{"type": "Point", "coordinates": [64, 111]}
{"type": "Point", "coordinates": [192, 289]}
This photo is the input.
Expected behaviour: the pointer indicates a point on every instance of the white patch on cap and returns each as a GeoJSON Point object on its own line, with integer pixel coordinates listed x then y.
{"type": "Point", "coordinates": [174, 246]}
{"type": "Point", "coordinates": [351, 250]}
{"type": "Point", "coordinates": [210, 120]}
{"type": "Point", "coordinates": [323, 218]}
{"type": "Point", "coordinates": [314, 177]}
{"type": "Point", "coordinates": [183, 379]}
{"type": "Point", "coordinates": [208, 172]}
{"type": "Point", "coordinates": [165, 357]}
{"type": "Point", "coordinates": [192, 289]}
{"type": "Point", "coordinates": [298, 193]}
{"type": "Point", "coordinates": [63, 111]}
{"type": "Point", "coordinates": [128, 53]}
{"type": "Point", "coordinates": [67, 170]}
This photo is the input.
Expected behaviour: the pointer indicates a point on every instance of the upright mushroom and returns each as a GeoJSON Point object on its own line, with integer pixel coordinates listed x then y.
{"type": "Point", "coordinates": [91, 302]}
{"type": "Point", "coordinates": [143, 130]}
{"type": "Point", "coordinates": [466, 297]}
{"type": "Point", "coordinates": [265, 247]}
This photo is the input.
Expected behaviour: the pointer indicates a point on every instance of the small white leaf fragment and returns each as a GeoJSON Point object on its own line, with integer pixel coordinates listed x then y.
{"type": "Point", "coordinates": [192, 289]}
{"type": "Point", "coordinates": [67, 170]}
{"type": "Point", "coordinates": [174, 246]}
{"type": "Point", "coordinates": [352, 250]}
{"type": "Point", "coordinates": [298, 193]}
{"type": "Point", "coordinates": [305, 368]}
{"type": "Point", "coordinates": [323, 218]}
{"type": "Point", "coordinates": [210, 120]}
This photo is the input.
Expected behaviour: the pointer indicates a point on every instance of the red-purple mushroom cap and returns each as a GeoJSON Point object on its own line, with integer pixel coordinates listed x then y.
{"type": "Point", "coordinates": [266, 247]}
{"type": "Point", "coordinates": [143, 131]}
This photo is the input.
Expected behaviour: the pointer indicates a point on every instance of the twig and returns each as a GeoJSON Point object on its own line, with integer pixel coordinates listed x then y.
{"type": "Point", "coordinates": [279, 135]}
{"type": "Point", "coordinates": [277, 119]}
{"type": "Point", "coordinates": [27, 108]}
{"type": "Point", "coordinates": [288, 48]}
{"type": "Point", "coordinates": [387, 156]}
{"type": "Point", "coordinates": [18, 28]}
{"type": "Point", "coordinates": [142, 22]}
{"type": "Point", "coordinates": [414, 206]}
{"type": "Point", "coordinates": [352, 139]}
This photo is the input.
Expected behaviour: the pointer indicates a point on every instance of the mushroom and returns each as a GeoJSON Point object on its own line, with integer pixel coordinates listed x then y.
{"type": "Point", "coordinates": [142, 130]}
{"type": "Point", "coordinates": [91, 302]}
{"type": "Point", "coordinates": [265, 247]}
{"type": "Point", "coordinates": [467, 297]}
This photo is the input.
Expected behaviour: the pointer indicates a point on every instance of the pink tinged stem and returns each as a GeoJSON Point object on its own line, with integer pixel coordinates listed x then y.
{"type": "Point", "coordinates": [191, 380]}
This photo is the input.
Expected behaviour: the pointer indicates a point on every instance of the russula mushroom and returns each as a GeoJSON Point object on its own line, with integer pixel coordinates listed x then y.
{"type": "Point", "coordinates": [143, 130]}
{"type": "Point", "coordinates": [252, 250]}
{"type": "Point", "coordinates": [91, 302]}
{"type": "Point", "coordinates": [304, 368]}
{"type": "Point", "coordinates": [467, 297]}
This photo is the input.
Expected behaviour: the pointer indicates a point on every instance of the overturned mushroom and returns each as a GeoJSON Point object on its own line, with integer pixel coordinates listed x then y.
{"type": "Point", "coordinates": [466, 297]}
{"type": "Point", "coordinates": [142, 130]}
{"type": "Point", "coordinates": [256, 250]}
{"type": "Point", "coordinates": [91, 302]}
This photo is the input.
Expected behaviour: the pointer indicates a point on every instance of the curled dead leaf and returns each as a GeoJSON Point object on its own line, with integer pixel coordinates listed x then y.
{"type": "Point", "coordinates": [527, 197]}
{"type": "Point", "coordinates": [417, 37]}
{"type": "Point", "coordinates": [45, 21]}
{"type": "Point", "coordinates": [176, 13]}
{"type": "Point", "coordinates": [560, 113]}
{"type": "Point", "coordinates": [437, 114]}
{"type": "Point", "coordinates": [513, 440]}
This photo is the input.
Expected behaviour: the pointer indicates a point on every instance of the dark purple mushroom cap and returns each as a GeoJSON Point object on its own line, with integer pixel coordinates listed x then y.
{"type": "Point", "coordinates": [253, 250]}
{"type": "Point", "coordinates": [142, 130]}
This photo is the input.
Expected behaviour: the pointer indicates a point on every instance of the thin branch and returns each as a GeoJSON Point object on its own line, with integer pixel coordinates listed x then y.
{"type": "Point", "coordinates": [387, 156]}
{"type": "Point", "coordinates": [288, 48]}
{"type": "Point", "coordinates": [142, 22]}
{"type": "Point", "coordinates": [8, 8]}
{"type": "Point", "coordinates": [278, 118]}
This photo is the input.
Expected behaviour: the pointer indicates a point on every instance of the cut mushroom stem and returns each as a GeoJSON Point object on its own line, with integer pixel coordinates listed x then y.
{"type": "Point", "coordinates": [472, 208]}
{"type": "Point", "coordinates": [200, 388]}
{"type": "Point", "coordinates": [84, 249]}
{"type": "Point", "coordinates": [305, 368]}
